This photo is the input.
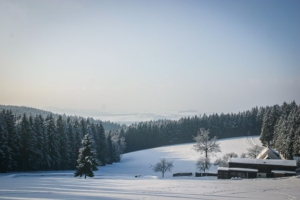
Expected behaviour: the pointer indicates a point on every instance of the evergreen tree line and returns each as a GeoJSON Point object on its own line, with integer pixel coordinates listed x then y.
{"type": "Point", "coordinates": [281, 129]}
{"type": "Point", "coordinates": [20, 110]}
{"type": "Point", "coordinates": [151, 134]}
{"type": "Point", "coordinates": [30, 143]}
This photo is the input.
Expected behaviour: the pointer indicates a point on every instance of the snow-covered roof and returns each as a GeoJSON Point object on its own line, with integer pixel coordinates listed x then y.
{"type": "Point", "coordinates": [263, 161]}
{"type": "Point", "coordinates": [237, 169]}
{"type": "Point", "coordinates": [268, 153]}
{"type": "Point", "coordinates": [283, 172]}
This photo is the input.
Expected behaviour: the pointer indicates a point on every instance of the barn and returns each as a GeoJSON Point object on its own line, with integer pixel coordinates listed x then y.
{"type": "Point", "coordinates": [257, 168]}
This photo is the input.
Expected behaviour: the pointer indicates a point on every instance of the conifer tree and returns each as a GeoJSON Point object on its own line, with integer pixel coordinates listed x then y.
{"type": "Point", "coordinates": [13, 139]}
{"type": "Point", "coordinates": [87, 162]}
{"type": "Point", "coordinates": [64, 148]}
{"type": "Point", "coordinates": [53, 142]}
{"type": "Point", "coordinates": [38, 128]}
{"type": "Point", "coordinates": [110, 150]}
{"type": "Point", "coordinates": [78, 136]}
{"type": "Point", "coordinates": [269, 120]}
{"type": "Point", "coordinates": [101, 145]}
{"type": "Point", "coordinates": [72, 144]}
{"type": "Point", "coordinates": [35, 160]}
{"type": "Point", "coordinates": [5, 151]}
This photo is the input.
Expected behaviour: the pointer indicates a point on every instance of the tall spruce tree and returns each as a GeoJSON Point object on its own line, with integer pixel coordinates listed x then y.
{"type": "Point", "coordinates": [87, 162]}
{"type": "Point", "coordinates": [101, 144]}
{"type": "Point", "coordinates": [72, 144]}
{"type": "Point", "coordinates": [27, 149]}
{"type": "Point", "coordinates": [269, 120]}
{"type": "Point", "coordinates": [78, 136]}
{"type": "Point", "coordinates": [5, 151]}
{"type": "Point", "coordinates": [13, 139]}
{"type": "Point", "coordinates": [110, 150]}
{"type": "Point", "coordinates": [53, 143]}
{"type": "Point", "coordinates": [64, 148]}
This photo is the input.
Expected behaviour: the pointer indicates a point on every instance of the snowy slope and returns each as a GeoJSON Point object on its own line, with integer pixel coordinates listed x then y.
{"type": "Point", "coordinates": [184, 157]}
{"type": "Point", "coordinates": [117, 181]}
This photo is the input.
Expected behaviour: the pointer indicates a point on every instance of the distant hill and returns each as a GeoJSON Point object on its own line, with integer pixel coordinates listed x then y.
{"type": "Point", "coordinates": [20, 110]}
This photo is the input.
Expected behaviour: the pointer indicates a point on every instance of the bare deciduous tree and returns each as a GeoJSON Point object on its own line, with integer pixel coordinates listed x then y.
{"type": "Point", "coordinates": [254, 151]}
{"type": "Point", "coordinates": [162, 166]}
{"type": "Point", "coordinates": [223, 162]}
{"type": "Point", "coordinates": [203, 164]}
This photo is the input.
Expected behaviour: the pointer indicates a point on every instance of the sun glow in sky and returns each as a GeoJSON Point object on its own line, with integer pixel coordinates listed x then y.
{"type": "Point", "coordinates": [149, 56]}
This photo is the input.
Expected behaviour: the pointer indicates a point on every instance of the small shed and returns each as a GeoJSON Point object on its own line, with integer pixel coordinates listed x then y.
{"type": "Point", "coordinates": [228, 173]}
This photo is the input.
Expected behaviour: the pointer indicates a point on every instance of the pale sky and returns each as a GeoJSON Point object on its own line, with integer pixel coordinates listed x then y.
{"type": "Point", "coordinates": [149, 56]}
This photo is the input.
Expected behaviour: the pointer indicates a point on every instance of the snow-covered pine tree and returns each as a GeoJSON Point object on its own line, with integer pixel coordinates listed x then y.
{"type": "Point", "coordinates": [5, 151]}
{"type": "Point", "coordinates": [53, 142]}
{"type": "Point", "coordinates": [72, 144]}
{"type": "Point", "coordinates": [46, 159]}
{"type": "Point", "coordinates": [270, 118]}
{"type": "Point", "coordinates": [38, 129]}
{"type": "Point", "coordinates": [35, 159]}
{"type": "Point", "coordinates": [110, 150]}
{"type": "Point", "coordinates": [64, 148]}
{"type": "Point", "coordinates": [297, 133]}
{"type": "Point", "coordinates": [87, 162]}
{"type": "Point", "coordinates": [119, 146]}
{"type": "Point", "coordinates": [27, 149]}
{"type": "Point", "coordinates": [78, 135]}
{"type": "Point", "coordinates": [101, 145]}
{"type": "Point", "coordinates": [13, 139]}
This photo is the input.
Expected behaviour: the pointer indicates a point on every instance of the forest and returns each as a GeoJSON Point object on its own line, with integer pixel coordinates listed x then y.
{"type": "Point", "coordinates": [167, 132]}
{"type": "Point", "coordinates": [20, 110]}
{"type": "Point", "coordinates": [33, 142]}
{"type": "Point", "coordinates": [29, 143]}
{"type": "Point", "coordinates": [278, 126]}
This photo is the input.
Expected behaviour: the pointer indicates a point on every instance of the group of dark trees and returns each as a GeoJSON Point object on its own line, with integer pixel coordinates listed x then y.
{"type": "Point", "coordinates": [151, 134]}
{"type": "Point", "coordinates": [20, 110]}
{"type": "Point", "coordinates": [281, 129]}
{"type": "Point", "coordinates": [36, 143]}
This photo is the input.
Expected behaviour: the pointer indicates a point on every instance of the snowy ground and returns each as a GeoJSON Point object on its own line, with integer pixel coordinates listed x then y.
{"type": "Point", "coordinates": [118, 181]}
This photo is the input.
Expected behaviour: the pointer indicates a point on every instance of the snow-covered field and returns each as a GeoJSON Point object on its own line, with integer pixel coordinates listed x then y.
{"type": "Point", "coordinates": [118, 181]}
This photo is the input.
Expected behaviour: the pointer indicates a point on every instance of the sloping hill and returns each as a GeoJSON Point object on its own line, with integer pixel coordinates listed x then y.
{"type": "Point", "coordinates": [184, 157]}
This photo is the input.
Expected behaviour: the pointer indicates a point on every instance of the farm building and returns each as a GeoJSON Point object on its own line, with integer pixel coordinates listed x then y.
{"type": "Point", "coordinates": [228, 173]}
{"type": "Point", "coordinates": [257, 168]}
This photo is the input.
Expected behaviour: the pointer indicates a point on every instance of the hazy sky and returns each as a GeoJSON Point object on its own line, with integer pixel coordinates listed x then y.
{"type": "Point", "coordinates": [149, 56]}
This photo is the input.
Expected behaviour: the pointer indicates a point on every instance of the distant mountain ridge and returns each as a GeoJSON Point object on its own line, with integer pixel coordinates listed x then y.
{"type": "Point", "coordinates": [20, 110]}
